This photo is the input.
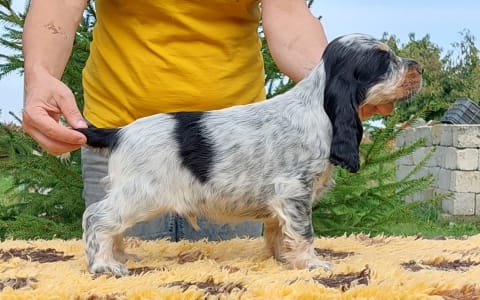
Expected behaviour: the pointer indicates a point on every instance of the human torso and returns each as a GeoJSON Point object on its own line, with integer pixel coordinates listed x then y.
{"type": "Point", "coordinates": [151, 56]}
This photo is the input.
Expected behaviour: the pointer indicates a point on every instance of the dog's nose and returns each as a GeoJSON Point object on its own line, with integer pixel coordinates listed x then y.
{"type": "Point", "coordinates": [414, 64]}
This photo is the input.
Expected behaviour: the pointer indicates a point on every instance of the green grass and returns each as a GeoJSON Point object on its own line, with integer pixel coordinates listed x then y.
{"type": "Point", "coordinates": [429, 221]}
{"type": "Point", "coordinates": [5, 184]}
{"type": "Point", "coordinates": [443, 227]}
{"type": "Point", "coordinates": [6, 195]}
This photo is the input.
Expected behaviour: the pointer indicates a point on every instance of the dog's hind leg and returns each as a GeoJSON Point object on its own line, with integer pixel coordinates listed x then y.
{"type": "Point", "coordinates": [296, 244]}
{"type": "Point", "coordinates": [102, 226]}
{"type": "Point", "coordinates": [273, 235]}
{"type": "Point", "coordinates": [119, 250]}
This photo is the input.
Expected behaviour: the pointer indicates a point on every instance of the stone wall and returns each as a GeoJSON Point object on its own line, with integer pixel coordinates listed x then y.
{"type": "Point", "coordinates": [455, 164]}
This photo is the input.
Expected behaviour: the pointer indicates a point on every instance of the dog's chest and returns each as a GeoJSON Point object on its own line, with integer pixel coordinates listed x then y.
{"type": "Point", "coordinates": [322, 181]}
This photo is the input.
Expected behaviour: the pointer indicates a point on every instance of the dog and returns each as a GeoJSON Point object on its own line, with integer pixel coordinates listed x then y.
{"type": "Point", "coordinates": [266, 161]}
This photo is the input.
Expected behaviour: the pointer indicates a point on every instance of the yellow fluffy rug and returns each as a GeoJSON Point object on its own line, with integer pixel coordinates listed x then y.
{"type": "Point", "coordinates": [365, 268]}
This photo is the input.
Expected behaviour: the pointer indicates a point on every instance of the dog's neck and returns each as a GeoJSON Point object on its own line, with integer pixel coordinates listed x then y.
{"type": "Point", "coordinates": [311, 89]}
{"type": "Point", "coordinates": [303, 106]}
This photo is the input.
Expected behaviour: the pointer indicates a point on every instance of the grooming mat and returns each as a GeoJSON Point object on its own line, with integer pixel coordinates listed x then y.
{"type": "Point", "coordinates": [365, 268]}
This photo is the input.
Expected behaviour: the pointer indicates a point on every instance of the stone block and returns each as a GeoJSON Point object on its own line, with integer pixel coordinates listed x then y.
{"type": "Point", "coordinates": [441, 135]}
{"type": "Point", "coordinates": [439, 156]}
{"type": "Point", "coordinates": [477, 204]}
{"type": "Point", "coordinates": [424, 132]}
{"type": "Point", "coordinates": [459, 204]}
{"type": "Point", "coordinates": [465, 181]}
{"type": "Point", "coordinates": [447, 203]}
{"type": "Point", "coordinates": [447, 206]}
{"type": "Point", "coordinates": [402, 171]}
{"type": "Point", "coordinates": [419, 154]}
{"type": "Point", "coordinates": [410, 136]}
{"type": "Point", "coordinates": [444, 179]}
{"type": "Point", "coordinates": [468, 159]}
{"type": "Point", "coordinates": [436, 157]}
{"type": "Point", "coordinates": [421, 172]}
{"type": "Point", "coordinates": [434, 171]}
{"type": "Point", "coordinates": [406, 160]}
{"type": "Point", "coordinates": [423, 195]}
{"type": "Point", "coordinates": [400, 139]}
{"type": "Point", "coordinates": [465, 136]}
{"type": "Point", "coordinates": [478, 160]}
{"type": "Point", "coordinates": [446, 135]}
{"type": "Point", "coordinates": [461, 159]}
{"type": "Point", "coordinates": [436, 132]}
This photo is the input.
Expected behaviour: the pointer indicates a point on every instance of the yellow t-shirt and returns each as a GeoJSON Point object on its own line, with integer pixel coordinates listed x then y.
{"type": "Point", "coordinates": [152, 56]}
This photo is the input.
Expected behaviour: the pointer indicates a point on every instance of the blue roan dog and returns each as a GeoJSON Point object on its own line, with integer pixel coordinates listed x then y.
{"type": "Point", "coordinates": [265, 161]}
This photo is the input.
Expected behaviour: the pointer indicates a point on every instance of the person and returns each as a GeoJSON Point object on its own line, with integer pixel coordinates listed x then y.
{"type": "Point", "coordinates": [151, 57]}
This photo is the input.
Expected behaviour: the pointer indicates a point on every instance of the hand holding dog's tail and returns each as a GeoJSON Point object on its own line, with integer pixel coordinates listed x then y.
{"type": "Point", "coordinates": [100, 137]}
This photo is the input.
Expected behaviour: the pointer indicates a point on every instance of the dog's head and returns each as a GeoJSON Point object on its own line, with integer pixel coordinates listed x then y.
{"type": "Point", "coordinates": [362, 74]}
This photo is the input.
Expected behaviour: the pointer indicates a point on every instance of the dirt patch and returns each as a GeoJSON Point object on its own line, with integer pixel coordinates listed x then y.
{"type": "Point", "coordinates": [209, 287]}
{"type": "Point", "coordinates": [368, 240]}
{"type": "Point", "coordinates": [332, 254]}
{"type": "Point", "coordinates": [36, 255]}
{"type": "Point", "coordinates": [142, 270]}
{"type": "Point", "coordinates": [229, 269]}
{"type": "Point", "coordinates": [191, 256]}
{"type": "Point", "coordinates": [345, 281]}
{"type": "Point", "coordinates": [455, 265]}
{"type": "Point", "coordinates": [133, 272]}
{"type": "Point", "coordinates": [440, 264]}
{"type": "Point", "coordinates": [17, 282]}
{"type": "Point", "coordinates": [412, 266]}
{"type": "Point", "coordinates": [468, 292]}
{"type": "Point", "coordinates": [467, 252]}
{"type": "Point", "coordinates": [440, 237]}
{"type": "Point", "coordinates": [115, 296]}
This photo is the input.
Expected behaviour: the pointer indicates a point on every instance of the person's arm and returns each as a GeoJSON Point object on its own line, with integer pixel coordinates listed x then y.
{"type": "Point", "coordinates": [295, 37]}
{"type": "Point", "coordinates": [297, 40]}
{"type": "Point", "coordinates": [48, 36]}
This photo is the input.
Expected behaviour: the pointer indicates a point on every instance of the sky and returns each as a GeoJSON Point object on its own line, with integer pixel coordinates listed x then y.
{"type": "Point", "coordinates": [442, 20]}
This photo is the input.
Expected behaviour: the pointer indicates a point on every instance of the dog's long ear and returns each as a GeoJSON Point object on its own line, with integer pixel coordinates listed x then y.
{"type": "Point", "coordinates": [341, 107]}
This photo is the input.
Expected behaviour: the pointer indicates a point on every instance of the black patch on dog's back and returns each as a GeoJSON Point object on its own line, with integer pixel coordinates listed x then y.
{"type": "Point", "coordinates": [196, 149]}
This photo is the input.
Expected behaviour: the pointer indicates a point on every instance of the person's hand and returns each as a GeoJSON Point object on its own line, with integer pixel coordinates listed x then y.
{"type": "Point", "coordinates": [46, 99]}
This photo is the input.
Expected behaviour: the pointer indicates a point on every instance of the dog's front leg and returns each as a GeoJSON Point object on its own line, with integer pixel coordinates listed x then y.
{"type": "Point", "coordinates": [290, 236]}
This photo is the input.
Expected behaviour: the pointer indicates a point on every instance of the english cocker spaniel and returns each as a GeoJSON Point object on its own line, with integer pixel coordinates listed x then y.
{"type": "Point", "coordinates": [264, 161]}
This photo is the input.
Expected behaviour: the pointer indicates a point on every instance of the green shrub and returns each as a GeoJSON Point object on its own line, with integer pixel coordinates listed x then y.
{"type": "Point", "coordinates": [371, 200]}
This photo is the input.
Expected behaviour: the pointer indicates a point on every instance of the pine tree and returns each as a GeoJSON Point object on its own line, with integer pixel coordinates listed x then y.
{"type": "Point", "coordinates": [373, 199]}
{"type": "Point", "coordinates": [11, 39]}
{"type": "Point", "coordinates": [48, 188]}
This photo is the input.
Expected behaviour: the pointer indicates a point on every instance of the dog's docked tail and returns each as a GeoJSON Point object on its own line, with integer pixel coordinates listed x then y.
{"type": "Point", "coordinates": [100, 137]}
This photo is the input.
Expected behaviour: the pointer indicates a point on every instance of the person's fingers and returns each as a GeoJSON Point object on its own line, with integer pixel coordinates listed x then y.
{"type": "Point", "coordinates": [69, 109]}
{"type": "Point", "coordinates": [52, 146]}
{"type": "Point", "coordinates": [47, 99]}
{"type": "Point", "coordinates": [36, 120]}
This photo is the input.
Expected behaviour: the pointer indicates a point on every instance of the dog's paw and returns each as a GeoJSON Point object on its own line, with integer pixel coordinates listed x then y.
{"type": "Point", "coordinates": [123, 257]}
{"type": "Point", "coordinates": [114, 268]}
{"type": "Point", "coordinates": [316, 263]}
